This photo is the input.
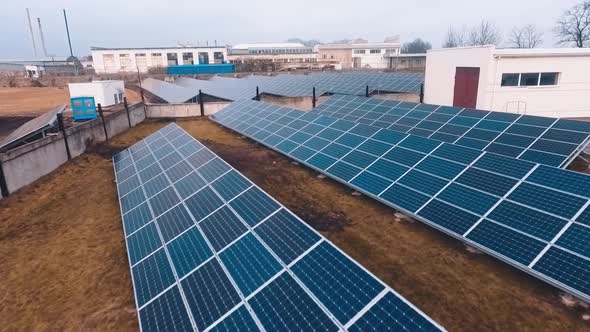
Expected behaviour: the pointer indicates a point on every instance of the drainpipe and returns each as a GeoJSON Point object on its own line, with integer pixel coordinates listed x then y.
{"type": "Point", "coordinates": [494, 85]}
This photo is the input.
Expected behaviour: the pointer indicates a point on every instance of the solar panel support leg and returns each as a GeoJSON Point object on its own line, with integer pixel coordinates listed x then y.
{"type": "Point", "coordinates": [127, 110]}
{"type": "Point", "coordinates": [313, 98]}
{"type": "Point", "coordinates": [422, 93]}
{"type": "Point", "coordinates": [3, 185]}
{"type": "Point", "coordinates": [104, 125]}
{"type": "Point", "coordinates": [201, 104]}
{"type": "Point", "coordinates": [367, 91]}
{"type": "Point", "coordinates": [257, 94]}
{"type": "Point", "coordinates": [62, 128]}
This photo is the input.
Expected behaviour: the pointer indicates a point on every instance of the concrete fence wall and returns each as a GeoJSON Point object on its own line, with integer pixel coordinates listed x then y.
{"type": "Point", "coordinates": [183, 110]}
{"type": "Point", "coordinates": [30, 162]}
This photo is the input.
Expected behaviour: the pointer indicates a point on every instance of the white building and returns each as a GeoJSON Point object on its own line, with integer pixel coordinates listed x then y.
{"type": "Point", "coordinates": [105, 93]}
{"type": "Point", "coordinates": [114, 60]}
{"type": "Point", "coordinates": [546, 82]}
{"type": "Point", "coordinates": [277, 52]}
{"type": "Point", "coordinates": [359, 54]}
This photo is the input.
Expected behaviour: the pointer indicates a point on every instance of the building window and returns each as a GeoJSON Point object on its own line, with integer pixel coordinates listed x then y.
{"type": "Point", "coordinates": [375, 51]}
{"type": "Point", "coordinates": [510, 79]}
{"type": "Point", "coordinates": [203, 58]}
{"type": "Point", "coordinates": [157, 60]}
{"type": "Point", "coordinates": [109, 62]}
{"type": "Point", "coordinates": [530, 79]}
{"type": "Point", "coordinates": [358, 51]}
{"type": "Point", "coordinates": [172, 59]}
{"type": "Point", "coordinates": [548, 79]}
{"type": "Point", "coordinates": [125, 61]}
{"type": "Point", "coordinates": [141, 60]}
{"type": "Point", "coordinates": [187, 58]}
{"type": "Point", "coordinates": [218, 57]}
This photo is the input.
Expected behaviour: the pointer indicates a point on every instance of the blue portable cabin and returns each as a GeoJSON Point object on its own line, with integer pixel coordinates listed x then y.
{"type": "Point", "coordinates": [83, 108]}
{"type": "Point", "coordinates": [222, 68]}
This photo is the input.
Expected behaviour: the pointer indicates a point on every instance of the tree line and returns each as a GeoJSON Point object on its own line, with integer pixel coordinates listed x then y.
{"type": "Point", "coordinates": [572, 28]}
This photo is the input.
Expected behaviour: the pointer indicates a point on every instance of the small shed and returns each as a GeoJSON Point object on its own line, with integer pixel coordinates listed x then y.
{"type": "Point", "coordinates": [105, 93]}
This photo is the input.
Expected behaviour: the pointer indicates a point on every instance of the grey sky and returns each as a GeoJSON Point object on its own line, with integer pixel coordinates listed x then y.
{"type": "Point", "coordinates": [119, 23]}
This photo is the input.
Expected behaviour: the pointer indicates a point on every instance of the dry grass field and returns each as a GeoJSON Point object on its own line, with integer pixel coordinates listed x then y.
{"type": "Point", "coordinates": [63, 261]}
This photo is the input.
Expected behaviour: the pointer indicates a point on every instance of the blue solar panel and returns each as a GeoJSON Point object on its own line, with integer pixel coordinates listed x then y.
{"type": "Point", "coordinates": [510, 208]}
{"type": "Point", "coordinates": [212, 251]}
{"type": "Point", "coordinates": [507, 134]}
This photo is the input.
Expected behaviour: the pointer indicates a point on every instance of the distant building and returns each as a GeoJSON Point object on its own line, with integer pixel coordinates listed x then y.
{"type": "Point", "coordinates": [286, 53]}
{"type": "Point", "coordinates": [358, 54]}
{"type": "Point", "coordinates": [114, 60]}
{"type": "Point", "coordinates": [65, 66]}
{"type": "Point", "coordinates": [405, 61]}
{"type": "Point", "coordinates": [546, 82]}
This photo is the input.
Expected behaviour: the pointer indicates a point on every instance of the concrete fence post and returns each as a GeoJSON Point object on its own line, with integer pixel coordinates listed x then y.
{"type": "Point", "coordinates": [422, 93]}
{"type": "Point", "coordinates": [127, 110]}
{"type": "Point", "coordinates": [62, 128]}
{"type": "Point", "coordinates": [3, 185]}
{"type": "Point", "coordinates": [104, 125]}
{"type": "Point", "coordinates": [201, 104]}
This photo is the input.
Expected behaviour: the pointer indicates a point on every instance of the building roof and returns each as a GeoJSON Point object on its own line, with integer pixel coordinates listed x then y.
{"type": "Point", "coordinates": [523, 52]}
{"type": "Point", "coordinates": [541, 52]}
{"type": "Point", "coordinates": [269, 45]}
{"type": "Point", "coordinates": [97, 48]}
{"type": "Point", "coordinates": [359, 45]}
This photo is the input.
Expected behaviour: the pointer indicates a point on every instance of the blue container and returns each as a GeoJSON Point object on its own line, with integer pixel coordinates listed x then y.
{"type": "Point", "coordinates": [225, 68]}
{"type": "Point", "coordinates": [83, 108]}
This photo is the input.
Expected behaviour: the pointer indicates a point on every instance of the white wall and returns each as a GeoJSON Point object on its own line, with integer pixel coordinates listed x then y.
{"type": "Point", "coordinates": [99, 65]}
{"type": "Point", "coordinates": [376, 60]}
{"type": "Point", "coordinates": [441, 65]}
{"type": "Point", "coordinates": [102, 91]}
{"type": "Point", "coordinates": [569, 98]}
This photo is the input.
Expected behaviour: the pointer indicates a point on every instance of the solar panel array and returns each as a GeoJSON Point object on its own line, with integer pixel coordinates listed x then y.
{"type": "Point", "coordinates": [353, 83]}
{"type": "Point", "coordinates": [534, 217]}
{"type": "Point", "coordinates": [170, 93]}
{"type": "Point", "coordinates": [31, 128]}
{"type": "Point", "coordinates": [209, 250]}
{"type": "Point", "coordinates": [548, 141]}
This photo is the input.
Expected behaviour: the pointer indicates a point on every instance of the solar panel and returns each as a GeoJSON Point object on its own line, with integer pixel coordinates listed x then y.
{"type": "Point", "coordinates": [515, 210]}
{"type": "Point", "coordinates": [171, 93]}
{"type": "Point", "coordinates": [549, 141]}
{"type": "Point", "coordinates": [354, 83]}
{"type": "Point", "coordinates": [209, 250]}
{"type": "Point", "coordinates": [32, 128]}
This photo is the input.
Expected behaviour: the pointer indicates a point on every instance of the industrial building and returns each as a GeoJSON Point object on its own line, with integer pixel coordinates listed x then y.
{"type": "Point", "coordinates": [289, 54]}
{"type": "Point", "coordinates": [114, 60]}
{"type": "Point", "coordinates": [36, 68]}
{"type": "Point", "coordinates": [546, 82]}
{"type": "Point", "coordinates": [359, 54]}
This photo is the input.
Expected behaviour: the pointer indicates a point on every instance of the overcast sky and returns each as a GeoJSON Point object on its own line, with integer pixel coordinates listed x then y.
{"type": "Point", "coordinates": [139, 23]}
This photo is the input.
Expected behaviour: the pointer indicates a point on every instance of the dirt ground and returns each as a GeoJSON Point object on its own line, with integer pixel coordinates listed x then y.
{"type": "Point", "coordinates": [63, 263]}
{"type": "Point", "coordinates": [34, 101]}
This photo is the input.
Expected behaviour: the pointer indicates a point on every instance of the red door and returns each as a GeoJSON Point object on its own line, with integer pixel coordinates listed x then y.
{"type": "Point", "coordinates": [466, 85]}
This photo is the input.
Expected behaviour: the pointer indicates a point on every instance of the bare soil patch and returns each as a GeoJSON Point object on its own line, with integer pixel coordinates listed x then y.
{"type": "Point", "coordinates": [63, 262]}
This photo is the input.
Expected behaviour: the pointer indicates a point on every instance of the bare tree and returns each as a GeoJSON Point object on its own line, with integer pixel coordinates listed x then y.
{"type": "Point", "coordinates": [416, 46]}
{"type": "Point", "coordinates": [454, 38]}
{"type": "Point", "coordinates": [525, 37]}
{"type": "Point", "coordinates": [574, 25]}
{"type": "Point", "coordinates": [485, 33]}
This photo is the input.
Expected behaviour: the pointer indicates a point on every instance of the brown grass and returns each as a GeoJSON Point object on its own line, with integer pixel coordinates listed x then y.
{"type": "Point", "coordinates": [63, 263]}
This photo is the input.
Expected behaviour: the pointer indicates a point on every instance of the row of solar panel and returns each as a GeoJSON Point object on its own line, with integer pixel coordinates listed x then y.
{"type": "Point", "coordinates": [532, 216]}
{"type": "Point", "coordinates": [548, 141]}
{"type": "Point", "coordinates": [302, 85]}
{"type": "Point", "coordinates": [210, 250]}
